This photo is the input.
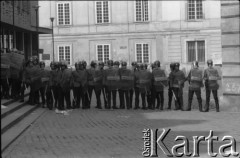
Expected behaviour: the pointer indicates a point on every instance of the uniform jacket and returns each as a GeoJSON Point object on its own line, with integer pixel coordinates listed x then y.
{"type": "Point", "coordinates": [112, 78]}
{"type": "Point", "coordinates": [178, 79]}
{"type": "Point", "coordinates": [127, 79]}
{"type": "Point", "coordinates": [195, 78]}
{"type": "Point", "coordinates": [143, 79]}
{"type": "Point", "coordinates": [159, 79]}
{"type": "Point", "coordinates": [211, 76]}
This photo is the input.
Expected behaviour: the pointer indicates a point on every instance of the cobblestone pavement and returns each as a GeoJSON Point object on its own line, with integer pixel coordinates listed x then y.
{"type": "Point", "coordinates": [115, 133]}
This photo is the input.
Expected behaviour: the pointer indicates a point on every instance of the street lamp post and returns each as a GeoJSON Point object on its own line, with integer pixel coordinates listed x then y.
{"type": "Point", "coordinates": [52, 19]}
{"type": "Point", "coordinates": [36, 7]}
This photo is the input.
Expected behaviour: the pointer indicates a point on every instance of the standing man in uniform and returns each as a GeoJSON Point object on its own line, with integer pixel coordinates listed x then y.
{"type": "Point", "coordinates": [211, 76]}
{"type": "Point", "coordinates": [143, 78]}
{"type": "Point", "coordinates": [112, 81]}
{"type": "Point", "coordinates": [90, 73]}
{"type": "Point", "coordinates": [127, 84]}
{"type": "Point", "coordinates": [98, 84]}
{"type": "Point", "coordinates": [159, 82]}
{"type": "Point", "coordinates": [44, 82]}
{"type": "Point", "coordinates": [178, 78]}
{"type": "Point", "coordinates": [76, 82]}
{"type": "Point", "coordinates": [195, 79]}
{"type": "Point", "coordinates": [65, 82]}
{"type": "Point", "coordinates": [170, 89]}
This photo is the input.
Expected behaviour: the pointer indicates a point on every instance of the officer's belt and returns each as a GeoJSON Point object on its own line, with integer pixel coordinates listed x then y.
{"type": "Point", "coordinates": [44, 79]}
{"type": "Point", "coordinates": [213, 78]}
{"type": "Point", "coordinates": [143, 81]}
{"type": "Point", "coordinates": [115, 78]}
{"type": "Point", "coordinates": [127, 78]}
{"type": "Point", "coordinates": [95, 79]}
{"type": "Point", "coordinates": [160, 78]}
{"type": "Point", "coordinates": [196, 78]}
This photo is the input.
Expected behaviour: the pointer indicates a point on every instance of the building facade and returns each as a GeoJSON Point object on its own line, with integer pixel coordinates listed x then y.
{"type": "Point", "coordinates": [141, 30]}
{"type": "Point", "coordinates": [231, 53]}
{"type": "Point", "coordinates": [19, 27]}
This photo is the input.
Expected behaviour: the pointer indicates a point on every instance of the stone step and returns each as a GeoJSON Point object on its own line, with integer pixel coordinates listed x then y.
{"type": "Point", "coordinates": [15, 117]}
{"type": "Point", "coordinates": [15, 131]}
{"type": "Point", "coordinates": [13, 107]}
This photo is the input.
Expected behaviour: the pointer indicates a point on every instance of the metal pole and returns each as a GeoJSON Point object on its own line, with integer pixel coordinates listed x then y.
{"type": "Point", "coordinates": [53, 41]}
{"type": "Point", "coordinates": [37, 30]}
{"type": "Point", "coordinates": [52, 19]}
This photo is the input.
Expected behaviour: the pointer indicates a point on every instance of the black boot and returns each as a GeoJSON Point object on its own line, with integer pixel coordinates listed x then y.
{"type": "Point", "coordinates": [189, 106]}
{"type": "Point", "coordinates": [200, 107]}
{"type": "Point", "coordinates": [217, 106]}
{"type": "Point", "coordinates": [206, 109]}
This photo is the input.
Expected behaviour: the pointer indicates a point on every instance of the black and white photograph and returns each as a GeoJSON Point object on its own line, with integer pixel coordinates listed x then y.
{"type": "Point", "coordinates": [120, 78]}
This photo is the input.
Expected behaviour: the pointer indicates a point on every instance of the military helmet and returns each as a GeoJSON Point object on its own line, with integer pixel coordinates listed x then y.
{"type": "Point", "coordinates": [195, 63]}
{"type": "Point", "coordinates": [101, 63]}
{"type": "Point", "coordinates": [63, 64]}
{"type": "Point", "coordinates": [177, 64]}
{"type": "Point", "coordinates": [116, 63]}
{"type": "Point", "coordinates": [141, 66]}
{"type": "Point", "coordinates": [110, 63]}
{"type": "Point", "coordinates": [42, 63]}
{"type": "Point", "coordinates": [209, 62]}
{"type": "Point", "coordinates": [93, 63]}
{"type": "Point", "coordinates": [145, 65]}
{"type": "Point", "coordinates": [134, 63]}
{"type": "Point", "coordinates": [172, 65]}
{"type": "Point", "coordinates": [35, 60]}
{"type": "Point", "coordinates": [157, 63]}
{"type": "Point", "coordinates": [124, 63]}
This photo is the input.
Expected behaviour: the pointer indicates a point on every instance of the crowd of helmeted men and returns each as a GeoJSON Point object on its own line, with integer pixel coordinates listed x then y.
{"type": "Point", "coordinates": [108, 81]}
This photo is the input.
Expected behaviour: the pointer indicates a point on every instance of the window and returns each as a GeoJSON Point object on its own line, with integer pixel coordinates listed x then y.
{"type": "Point", "coordinates": [102, 12]}
{"type": "Point", "coordinates": [142, 53]}
{"type": "Point", "coordinates": [64, 13]}
{"type": "Point", "coordinates": [196, 51]}
{"type": "Point", "coordinates": [103, 52]}
{"type": "Point", "coordinates": [64, 53]}
{"type": "Point", "coordinates": [195, 9]}
{"type": "Point", "coordinates": [142, 10]}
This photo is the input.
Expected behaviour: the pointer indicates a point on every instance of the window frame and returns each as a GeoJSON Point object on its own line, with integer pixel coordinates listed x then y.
{"type": "Point", "coordinates": [65, 45]}
{"type": "Point", "coordinates": [195, 12]}
{"type": "Point", "coordinates": [109, 45]}
{"type": "Point", "coordinates": [142, 13]}
{"type": "Point", "coordinates": [196, 50]}
{"type": "Point", "coordinates": [70, 14]}
{"type": "Point", "coordinates": [109, 13]}
{"type": "Point", "coordinates": [149, 49]}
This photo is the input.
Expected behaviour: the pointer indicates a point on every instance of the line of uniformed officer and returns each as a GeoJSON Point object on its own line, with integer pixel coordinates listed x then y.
{"type": "Point", "coordinates": [110, 80]}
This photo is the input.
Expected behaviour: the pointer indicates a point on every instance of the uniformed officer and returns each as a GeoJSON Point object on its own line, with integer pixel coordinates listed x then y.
{"type": "Point", "coordinates": [31, 77]}
{"type": "Point", "coordinates": [76, 82]}
{"type": "Point", "coordinates": [44, 83]}
{"type": "Point", "coordinates": [195, 78]}
{"type": "Point", "coordinates": [159, 82]}
{"type": "Point", "coordinates": [136, 85]}
{"type": "Point", "coordinates": [178, 78]}
{"type": "Point", "coordinates": [55, 85]}
{"type": "Point", "coordinates": [112, 82]}
{"type": "Point", "coordinates": [23, 84]}
{"type": "Point", "coordinates": [144, 79]}
{"type": "Point", "coordinates": [84, 85]}
{"type": "Point", "coordinates": [149, 93]}
{"type": "Point", "coordinates": [131, 91]}
{"type": "Point", "coordinates": [120, 91]}
{"type": "Point", "coordinates": [90, 73]}
{"type": "Point", "coordinates": [49, 88]}
{"type": "Point", "coordinates": [170, 89]}
{"type": "Point", "coordinates": [211, 85]}
{"type": "Point", "coordinates": [65, 82]}
{"type": "Point", "coordinates": [127, 84]}
{"type": "Point", "coordinates": [98, 84]}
